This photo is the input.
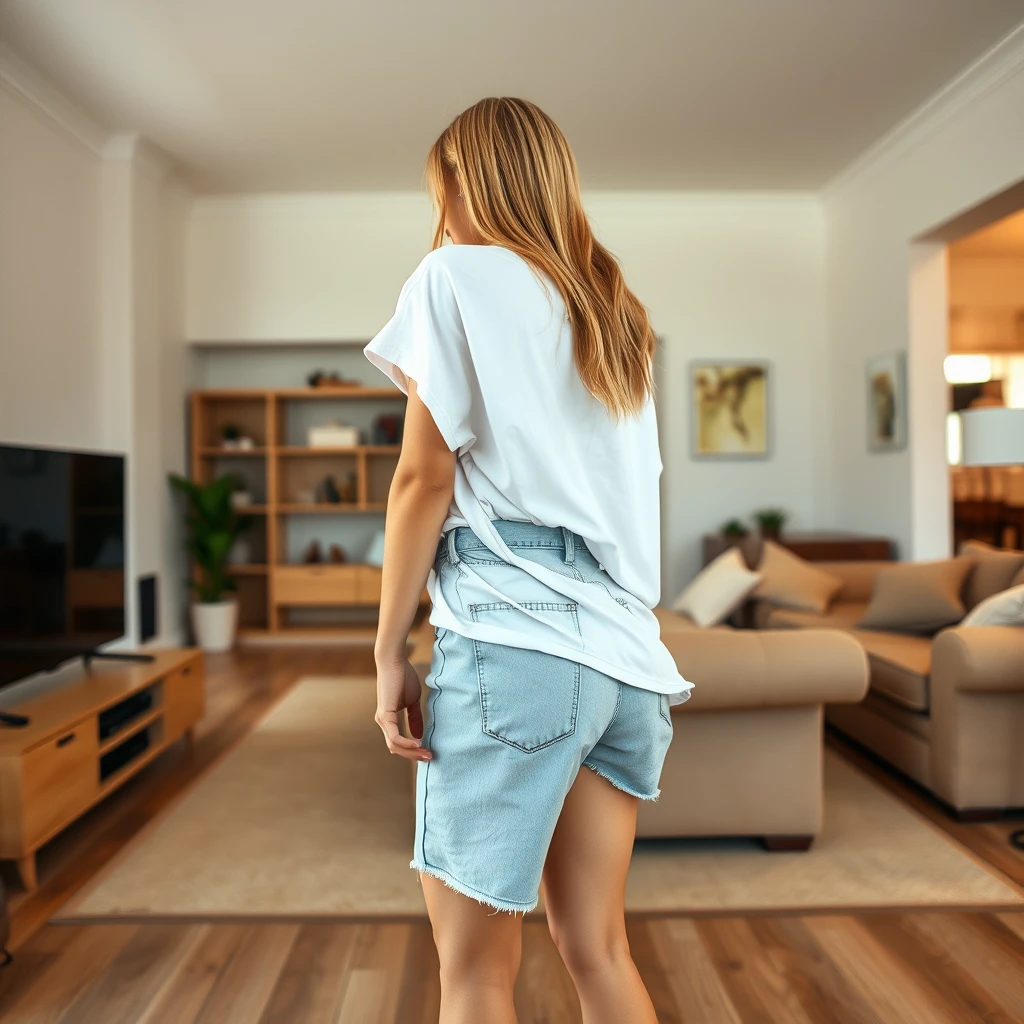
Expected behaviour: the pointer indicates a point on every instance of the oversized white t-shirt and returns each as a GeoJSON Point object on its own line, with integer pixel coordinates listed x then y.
{"type": "Point", "coordinates": [488, 342]}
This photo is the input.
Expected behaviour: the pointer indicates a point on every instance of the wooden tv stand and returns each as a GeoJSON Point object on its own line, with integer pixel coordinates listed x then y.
{"type": "Point", "coordinates": [58, 766]}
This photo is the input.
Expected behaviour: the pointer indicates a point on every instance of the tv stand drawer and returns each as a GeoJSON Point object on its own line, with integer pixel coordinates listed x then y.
{"type": "Point", "coordinates": [59, 780]}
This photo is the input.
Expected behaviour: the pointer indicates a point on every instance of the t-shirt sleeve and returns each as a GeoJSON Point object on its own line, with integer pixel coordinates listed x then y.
{"type": "Point", "coordinates": [426, 341]}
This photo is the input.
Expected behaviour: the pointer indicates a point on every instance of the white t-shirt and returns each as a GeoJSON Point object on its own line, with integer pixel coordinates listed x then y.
{"type": "Point", "coordinates": [489, 345]}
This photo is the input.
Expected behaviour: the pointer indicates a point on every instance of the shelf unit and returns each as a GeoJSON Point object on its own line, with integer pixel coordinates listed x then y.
{"type": "Point", "coordinates": [278, 593]}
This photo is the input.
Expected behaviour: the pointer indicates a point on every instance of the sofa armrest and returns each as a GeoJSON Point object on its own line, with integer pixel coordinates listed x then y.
{"type": "Point", "coordinates": [769, 668]}
{"type": "Point", "coordinates": [979, 659]}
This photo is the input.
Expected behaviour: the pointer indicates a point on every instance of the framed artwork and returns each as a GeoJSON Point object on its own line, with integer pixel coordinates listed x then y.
{"type": "Point", "coordinates": [730, 400]}
{"type": "Point", "coordinates": [887, 402]}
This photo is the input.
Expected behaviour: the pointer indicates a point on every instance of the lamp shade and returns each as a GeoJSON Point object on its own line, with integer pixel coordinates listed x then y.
{"type": "Point", "coordinates": [993, 436]}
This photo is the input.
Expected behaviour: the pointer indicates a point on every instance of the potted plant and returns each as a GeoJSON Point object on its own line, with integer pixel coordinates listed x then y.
{"type": "Point", "coordinates": [734, 531]}
{"type": "Point", "coordinates": [213, 527]}
{"type": "Point", "coordinates": [770, 522]}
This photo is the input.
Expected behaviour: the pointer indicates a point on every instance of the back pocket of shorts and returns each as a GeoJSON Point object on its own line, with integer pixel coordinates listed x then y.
{"type": "Point", "coordinates": [529, 699]}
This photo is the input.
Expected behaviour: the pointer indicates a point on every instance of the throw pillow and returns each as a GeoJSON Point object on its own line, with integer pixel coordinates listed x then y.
{"type": "Point", "coordinates": [994, 572]}
{"type": "Point", "coordinates": [1002, 609]}
{"type": "Point", "coordinates": [917, 597]}
{"type": "Point", "coordinates": [719, 589]}
{"type": "Point", "coordinates": [788, 581]}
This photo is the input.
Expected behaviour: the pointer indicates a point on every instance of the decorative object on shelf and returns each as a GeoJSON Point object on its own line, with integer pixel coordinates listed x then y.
{"type": "Point", "coordinates": [213, 527]}
{"type": "Point", "coordinates": [375, 552]}
{"type": "Point", "coordinates": [321, 379]}
{"type": "Point", "coordinates": [332, 435]}
{"type": "Point", "coordinates": [734, 531]}
{"type": "Point", "coordinates": [241, 499]}
{"type": "Point", "coordinates": [234, 439]}
{"type": "Point", "coordinates": [337, 554]}
{"type": "Point", "coordinates": [770, 522]}
{"type": "Point", "coordinates": [887, 403]}
{"type": "Point", "coordinates": [306, 496]}
{"type": "Point", "coordinates": [387, 429]}
{"type": "Point", "coordinates": [327, 491]}
{"type": "Point", "coordinates": [347, 488]}
{"type": "Point", "coordinates": [241, 552]}
{"type": "Point", "coordinates": [730, 401]}
{"type": "Point", "coordinates": [314, 553]}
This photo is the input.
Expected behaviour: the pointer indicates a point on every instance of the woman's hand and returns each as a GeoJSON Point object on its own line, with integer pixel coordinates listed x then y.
{"type": "Point", "coordinates": [398, 687]}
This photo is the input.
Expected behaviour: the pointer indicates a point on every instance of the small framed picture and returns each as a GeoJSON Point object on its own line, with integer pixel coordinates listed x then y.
{"type": "Point", "coordinates": [730, 400]}
{"type": "Point", "coordinates": [887, 402]}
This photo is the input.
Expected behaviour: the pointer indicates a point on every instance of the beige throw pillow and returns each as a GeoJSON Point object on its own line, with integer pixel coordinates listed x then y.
{"type": "Point", "coordinates": [719, 589]}
{"type": "Point", "coordinates": [917, 597]}
{"type": "Point", "coordinates": [1003, 609]}
{"type": "Point", "coordinates": [788, 581]}
{"type": "Point", "coordinates": [994, 572]}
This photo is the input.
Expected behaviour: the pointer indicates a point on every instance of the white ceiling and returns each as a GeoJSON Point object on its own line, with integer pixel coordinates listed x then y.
{"type": "Point", "coordinates": [312, 95]}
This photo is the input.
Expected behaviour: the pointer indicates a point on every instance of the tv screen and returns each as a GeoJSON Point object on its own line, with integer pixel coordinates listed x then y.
{"type": "Point", "coordinates": [62, 556]}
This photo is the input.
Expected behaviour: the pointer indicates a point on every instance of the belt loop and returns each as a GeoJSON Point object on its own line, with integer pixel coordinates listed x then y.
{"type": "Point", "coordinates": [570, 547]}
{"type": "Point", "coordinates": [453, 555]}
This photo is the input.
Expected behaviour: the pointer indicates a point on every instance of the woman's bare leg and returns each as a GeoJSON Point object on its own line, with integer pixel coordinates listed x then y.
{"type": "Point", "coordinates": [479, 949]}
{"type": "Point", "coordinates": [584, 891]}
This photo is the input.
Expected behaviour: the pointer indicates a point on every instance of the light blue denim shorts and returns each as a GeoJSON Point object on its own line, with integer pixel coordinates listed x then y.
{"type": "Point", "coordinates": [509, 729]}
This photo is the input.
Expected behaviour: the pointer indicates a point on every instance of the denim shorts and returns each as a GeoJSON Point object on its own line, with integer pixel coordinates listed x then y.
{"type": "Point", "coordinates": [509, 729]}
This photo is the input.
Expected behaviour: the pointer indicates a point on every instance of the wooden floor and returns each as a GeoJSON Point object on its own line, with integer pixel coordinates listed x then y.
{"type": "Point", "coordinates": [919, 968]}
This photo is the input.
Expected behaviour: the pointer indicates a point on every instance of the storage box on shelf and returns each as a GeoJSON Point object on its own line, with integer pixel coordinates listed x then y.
{"type": "Point", "coordinates": [85, 738]}
{"type": "Point", "coordinates": [282, 473]}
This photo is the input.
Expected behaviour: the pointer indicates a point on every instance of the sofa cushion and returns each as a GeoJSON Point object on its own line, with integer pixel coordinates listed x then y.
{"type": "Point", "coordinates": [900, 666]}
{"type": "Point", "coordinates": [679, 622]}
{"type": "Point", "coordinates": [918, 597]}
{"type": "Point", "coordinates": [1003, 609]}
{"type": "Point", "coordinates": [718, 590]}
{"type": "Point", "coordinates": [789, 581]}
{"type": "Point", "coordinates": [994, 572]}
{"type": "Point", "coordinates": [841, 615]}
{"type": "Point", "coordinates": [1018, 580]}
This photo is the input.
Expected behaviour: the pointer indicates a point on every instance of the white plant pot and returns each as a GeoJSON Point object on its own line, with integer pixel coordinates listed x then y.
{"type": "Point", "coordinates": [214, 625]}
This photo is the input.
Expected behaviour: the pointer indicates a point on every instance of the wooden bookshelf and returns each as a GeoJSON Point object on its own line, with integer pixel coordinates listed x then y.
{"type": "Point", "coordinates": [276, 589]}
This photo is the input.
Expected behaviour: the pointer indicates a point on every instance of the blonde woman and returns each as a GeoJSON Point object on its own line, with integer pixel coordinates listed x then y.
{"type": "Point", "coordinates": [526, 498]}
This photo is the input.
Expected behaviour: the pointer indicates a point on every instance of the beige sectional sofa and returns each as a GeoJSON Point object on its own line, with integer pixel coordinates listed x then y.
{"type": "Point", "coordinates": [946, 709]}
{"type": "Point", "coordinates": [746, 758]}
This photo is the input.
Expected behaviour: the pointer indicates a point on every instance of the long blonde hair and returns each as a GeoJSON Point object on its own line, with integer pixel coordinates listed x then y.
{"type": "Point", "coordinates": [518, 178]}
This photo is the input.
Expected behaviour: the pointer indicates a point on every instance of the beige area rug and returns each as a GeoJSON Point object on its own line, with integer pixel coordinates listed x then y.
{"type": "Point", "coordinates": [311, 816]}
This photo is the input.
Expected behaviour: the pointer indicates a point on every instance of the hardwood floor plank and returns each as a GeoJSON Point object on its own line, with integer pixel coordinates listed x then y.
{"type": "Point", "coordinates": [370, 996]}
{"type": "Point", "coordinates": [124, 990]}
{"type": "Point", "coordinates": [756, 988]}
{"type": "Point", "coordinates": [891, 992]}
{"type": "Point", "coordinates": [990, 963]}
{"type": "Point", "coordinates": [651, 966]}
{"type": "Point", "coordinates": [310, 986]}
{"type": "Point", "coordinates": [185, 992]}
{"type": "Point", "coordinates": [950, 984]}
{"type": "Point", "coordinates": [242, 990]}
{"type": "Point", "coordinates": [419, 999]}
{"type": "Point", "coordinates": [696, 984]}
{"type": "Point", "coordinates": [74, 969]}
{"type": "Point", "coordinates": [544, 990]}
{"type": "Point", "coordinates": [1013, 921]}
{"type": "Point", "coordinates": [823, 990]}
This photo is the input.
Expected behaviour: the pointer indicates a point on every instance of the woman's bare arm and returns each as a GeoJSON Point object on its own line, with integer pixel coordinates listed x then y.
{"type": "Point", "coordinates": [418, 502]}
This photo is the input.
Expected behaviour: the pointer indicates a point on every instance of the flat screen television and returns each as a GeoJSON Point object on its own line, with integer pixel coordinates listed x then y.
{"type": "Point", "coordinates": [62, 556]}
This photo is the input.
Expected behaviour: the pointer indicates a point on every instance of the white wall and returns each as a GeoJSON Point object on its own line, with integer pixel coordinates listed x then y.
{"type": "Point", "coordinates": [88, 294]}
{"type": "Point", "coordinates": [50, 339]}
{"type": "Point", "coordinates": [966, 147]}
{"type": "Point", "coordinates": [723, 276]}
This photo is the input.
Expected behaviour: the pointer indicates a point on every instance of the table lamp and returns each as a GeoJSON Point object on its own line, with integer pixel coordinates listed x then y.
{"type": "Point", "coordinates": [992, 436]}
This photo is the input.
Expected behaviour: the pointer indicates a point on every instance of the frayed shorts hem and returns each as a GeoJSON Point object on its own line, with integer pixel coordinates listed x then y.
{"type": "Point", "coordinates": [618, 784]}
{"type": "Point", "coordinates": [467, 890]}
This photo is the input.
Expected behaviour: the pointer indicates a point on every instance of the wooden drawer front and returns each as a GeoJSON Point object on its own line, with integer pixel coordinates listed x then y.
{"type": "Point", "coordinates": [59, 778]}
{"type": "Point", "coordinates": [316, 584]}
{"type": "Point", "coordinates": [368, 584]}
{"type": "Point", "coordinates": [184, 699]}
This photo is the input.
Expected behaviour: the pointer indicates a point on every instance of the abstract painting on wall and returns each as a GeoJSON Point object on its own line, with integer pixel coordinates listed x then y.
{"type": "Point", "coordinates": [887, 403]}
{"type": "Point", "coordinates": [730, 409]}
